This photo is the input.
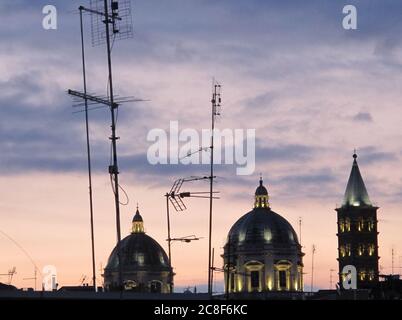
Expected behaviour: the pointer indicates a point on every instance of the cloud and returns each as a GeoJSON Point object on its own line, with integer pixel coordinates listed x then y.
{"type": "Point", "coordinates": [363, 117]}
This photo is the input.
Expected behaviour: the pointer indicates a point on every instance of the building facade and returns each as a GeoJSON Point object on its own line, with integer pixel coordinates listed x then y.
{"type": "Point", "coordinates": [262, 252]}
{"type": "Point", "coordinates": [357, 232]}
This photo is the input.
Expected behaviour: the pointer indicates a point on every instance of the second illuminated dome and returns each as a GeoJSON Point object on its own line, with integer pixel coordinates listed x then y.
{"type": "Point", "coordinates": [262, 251]}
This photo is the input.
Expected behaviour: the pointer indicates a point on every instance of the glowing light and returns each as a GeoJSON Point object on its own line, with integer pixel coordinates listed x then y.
{"type": "Point", "coordinates": [267, 234]}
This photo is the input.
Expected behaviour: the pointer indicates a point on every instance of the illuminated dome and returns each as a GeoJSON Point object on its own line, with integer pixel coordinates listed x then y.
{"type": "Point", "coordinates": [139, 252]}
{"type": "Point", "coordinates": [145, 266]}
{"type": "Point", "coordinates": [262, 251]}
{"type": "Point", "coordinates": [260, 227]}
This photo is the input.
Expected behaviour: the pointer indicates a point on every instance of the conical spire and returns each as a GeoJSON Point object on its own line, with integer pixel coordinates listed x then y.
{"type": "Point", "coordinates": [356, 192]}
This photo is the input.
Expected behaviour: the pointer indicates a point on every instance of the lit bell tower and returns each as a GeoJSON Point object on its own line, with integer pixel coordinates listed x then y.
{"type": "Point", "coordinates": [357, 231]}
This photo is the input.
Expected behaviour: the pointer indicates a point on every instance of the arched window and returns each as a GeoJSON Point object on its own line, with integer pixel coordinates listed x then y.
{"type": "Point", "coordinates": [371, 249]}
{"type": "Point", "coordinates": [342, 251]}
{"type": "Point", "coordinates": [361, 249]}
{"type": "Point", "coordinates": [347, 224]}
{"type": "Point", "coordinates": [283, 275]}
{"type": "Point", "coordinates": [348, 250]}
{"type": "Point", "coordinates": [360, 224]}
{"type": "Point", "coordinates": [255, 274]}
{"type": "Point", "coordinates": [130, 285]}
{"type": "Point", "coordinates": [362, 275]}
{"type": "Point", "coordinates": [370, 224]}
{"type": "Point", "coordinates": [156, 286]}
{"type": "Point", "coordinates": [341, 225]}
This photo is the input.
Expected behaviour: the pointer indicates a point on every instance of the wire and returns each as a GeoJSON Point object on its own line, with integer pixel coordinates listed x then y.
{"type": "Point", "coordinates": [122, 189]}
{"type": "Point", "coordinates": [22, 249]}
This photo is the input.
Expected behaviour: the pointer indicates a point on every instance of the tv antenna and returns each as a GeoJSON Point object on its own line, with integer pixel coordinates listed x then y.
{"type": "Point", "coordinates": [330, 277]}
{"type": "Point", "coordinates": [25, 253]}
{"type": "Point", "coordinates": [312, 268]}
{"type": "Point", "coordinates": [10, 275]}
{"type": "Point", "coordinates": [216, 111]}
{"type": "Point", "coordinates": [110, 20]}
{"type": "Point", "coordinates": [175, 196]}
{"type": "Point", "coordinates": [300, 231]}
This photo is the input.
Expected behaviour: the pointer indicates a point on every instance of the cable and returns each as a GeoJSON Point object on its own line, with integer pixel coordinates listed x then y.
{"type": "Point", "coordinates": [22, 249]}
{"type": "Point", "coordinates": [122, 189]}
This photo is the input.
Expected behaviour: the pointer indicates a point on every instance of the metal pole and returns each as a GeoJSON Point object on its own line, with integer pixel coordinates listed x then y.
{"type": "Point", "coordinates": [88, 153]}
{"type": "Point", "coordinates": [228, 271]}
{"type": "Point", "coordinates": [114, 168]}
{"type": "Point", "coordinates": [312, 269]}
{"type": "Point", "coordinates": [212, 270]}
{"type": "Point", "coordinates": [211, 179]}
{"type": "Point", "coordinates": [169, 239]}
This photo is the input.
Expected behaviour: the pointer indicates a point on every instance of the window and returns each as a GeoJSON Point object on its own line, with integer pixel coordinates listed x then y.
{"type": "Point", "coordinates": [371, 249]}
{"type": "Point", "coordinates": [232, 282]}
{"type": "Point", "coordinates": [341, 225]}
{"type": "Point", "coordinates": [370, 224]}
{"type": "Point", "coordinates": [156, 287]}
{"type": "Point", "coordinates": [255, 279]}
{"type": "Point", "coordinates": [360, 249]}
{"type": "Point", "coordinates": [342, 251]}
{"type": "Point", "coordinates": [347, 224]}
{"type": "Point", "coordinates": [371, 275]}
{"type": "Point", "coordinates": [360, 224]}
{"type": "Point", "coordinates": [362, 275]}
{"type": "Point", "coordinates": [282, 279]}
{"type": "Point", "coordinates": [348, 249]}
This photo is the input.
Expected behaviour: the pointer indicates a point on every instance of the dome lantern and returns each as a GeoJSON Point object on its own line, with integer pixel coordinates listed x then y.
{"type": "Point", "coordinates": [138, 223]}
{"type": "Point", "coordinates": [261, 196]}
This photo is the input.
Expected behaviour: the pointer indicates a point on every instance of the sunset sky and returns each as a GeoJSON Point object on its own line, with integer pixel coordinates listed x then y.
{"type": "Point", "coordinates": [313, 91]}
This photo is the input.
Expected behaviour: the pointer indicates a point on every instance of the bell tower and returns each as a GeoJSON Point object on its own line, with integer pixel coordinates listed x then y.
{"type": "Point", "coordinates": [357, 231]}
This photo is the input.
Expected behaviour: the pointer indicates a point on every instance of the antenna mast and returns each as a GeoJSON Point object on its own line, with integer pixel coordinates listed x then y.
{"type": "Point", "coordinates": [300, 231]}
{"type": "Point", "coordinates": [216, 103]}
{"type": "Point", "coordinates": [330, 277]}
{"type": "Point", "coordinates": [110, 20]}
{"type": "Point", "coordinates": [312, 268]}
{"type": "Point", "coordinates": [91, 211]}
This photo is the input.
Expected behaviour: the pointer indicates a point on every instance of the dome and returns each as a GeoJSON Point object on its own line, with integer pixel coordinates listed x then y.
{"type": "Point", "coordinates": [262, 226]}
{"type": "Point", "coordinates": [139, 252]}
{"type": "Point", "coordinates": [264, 246]}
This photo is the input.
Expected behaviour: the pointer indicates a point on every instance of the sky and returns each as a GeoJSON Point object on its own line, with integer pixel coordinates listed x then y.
{"type": "Point", "coordinates": [312, 90]}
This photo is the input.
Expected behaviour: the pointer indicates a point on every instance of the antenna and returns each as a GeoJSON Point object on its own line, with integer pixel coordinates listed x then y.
{"type": "Point", "coordinates": [216, 111]}
{"type": "Point", "coordinates": [25, 253]}
{"type": "Point", "coordinates": [300, 231]}
{"type": "Point", "coordinates": [330, 277]}
{"type": "Point", "coordinates": [312, 268]}
{"type": "Point", "coordinates": [110, 20]}
{"type": "Point", "coordinates": [392, 261]}
{"type": "Point", "coordinates": [174, 196]}
{"type": "Point", "coordinates": [120, 18]}
{"type": "Point", "coordinates": [10, 275]}
{"type": "Point", "coordinates": [33, 278]}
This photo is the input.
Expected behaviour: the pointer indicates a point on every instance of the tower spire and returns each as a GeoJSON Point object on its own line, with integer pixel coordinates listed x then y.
{"type": "Point", "coordinates": [356, 192]}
